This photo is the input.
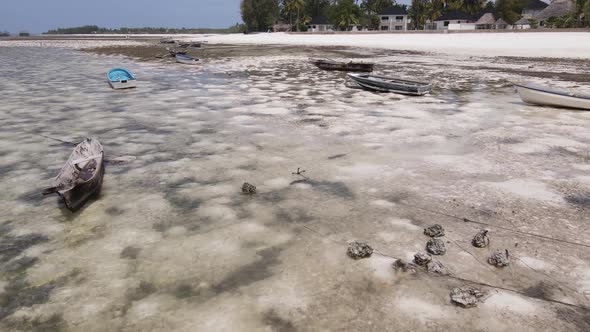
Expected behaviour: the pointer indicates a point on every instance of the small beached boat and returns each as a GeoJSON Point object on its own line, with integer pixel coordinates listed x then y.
{"type": "Point", "coordinates": [542, 95]}
{"type": "Point", "coordinates": [343, 66]}
{"type": "Point", "coordinates": [186, 59]}
{"type": "Point", "coordinates": [121, 79]}
{"type": "Point", "coordinates": [173, 52]}
{"type": "Point", "coordinates": [189, 45]}
{"type": "Point", "coordinates": [81, 176]}
{"type": "Point", "coordinates": [389, 84]}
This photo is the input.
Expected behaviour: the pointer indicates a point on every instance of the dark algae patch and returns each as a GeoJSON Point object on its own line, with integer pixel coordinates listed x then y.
{"type": "Point", "coordinates": [277, 323]}
{"type": "Point", "coordinates": [52, 323]}
{"type": "Point", "coordinates": [253, 272]}
{"type": "Point", "coordinates": [12, 246]}
{"type": "Point", "coordinates": [578, 317]}
{"type": "Point", "coordinates": [330, 187]}
{"type": "Point", "coordinates": [18, 293]}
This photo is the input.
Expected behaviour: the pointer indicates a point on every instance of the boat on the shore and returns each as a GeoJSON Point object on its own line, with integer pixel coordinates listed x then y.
{"type": "Point", "coordinates": [390, 84]}
{"type": "Point", "coordinates": [121, 79]}
{"type": "Point", "coordinates": [173, 52]}
{"type": "Point", "coordinates": [542, 95]}
{"type": "Point", "coordinates": [343, 66]}
{"type": "Point", "coordinates": [186, 59]}
{"type": "Point", "coordinates": [81, 176]}
{"type": "Point", "coordinates": [189, 45]}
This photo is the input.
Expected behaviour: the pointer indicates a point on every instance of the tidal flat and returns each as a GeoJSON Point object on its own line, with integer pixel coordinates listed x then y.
{"type": "Point", "coordinates": [171, 243]}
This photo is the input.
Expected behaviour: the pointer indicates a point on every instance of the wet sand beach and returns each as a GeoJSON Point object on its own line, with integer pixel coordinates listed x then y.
{"type": "Point", "coordinates": [171, 243]}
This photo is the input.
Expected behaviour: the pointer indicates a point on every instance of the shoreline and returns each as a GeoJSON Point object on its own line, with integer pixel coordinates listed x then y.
{"type": "Point", "coordinates": [570, 45]}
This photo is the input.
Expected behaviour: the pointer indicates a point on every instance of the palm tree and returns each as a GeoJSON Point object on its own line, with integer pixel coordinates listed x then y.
{"type": "Point", "coordinates": [345, 13]}
{"type": "Point", "coordinates": [299, 5]}
{"type": "Point", "coordinates": [580, 10]}
{"type": "Point", "coordinates": [472, 6]}
{"type": "Point", "coordinates": [289, 8]}
{"type": "Point", "coordinates": [435, 9]}
{"type": "Point", "coordinates": [418, 13]}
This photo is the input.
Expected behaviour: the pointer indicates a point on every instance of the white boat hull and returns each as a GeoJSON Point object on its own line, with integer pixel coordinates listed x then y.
{"type": "Point", "coordinates": [538, 97]}
{"type": "Point", "coordinates": [123, 85]}
{"type": "Point", "coordinates": [188, 62]}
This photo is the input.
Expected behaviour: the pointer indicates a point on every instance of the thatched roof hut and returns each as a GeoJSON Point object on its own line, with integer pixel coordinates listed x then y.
{"type": "Point", "coordinates": [486, 19]}
{"type": "Point", "coordinates": [535, 5]}
{"type": "Point", "coordinates": [557, 8]}
{"type": "Point", "coordinates": [523, 23]}
{"type": "Point", "coordinates": [501, 24]}
{"type": "Point", "coordinates": [280, 26]}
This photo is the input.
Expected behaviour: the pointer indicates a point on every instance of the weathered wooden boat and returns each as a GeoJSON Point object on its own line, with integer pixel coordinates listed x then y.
{"type": "Point", "coordinates": [173, 52]}
{"type": "Point", "coordinates": [542, 95]}
{"type": "Point", "coordinates": [121, 79]}
{"type": "Point", "coordinates": [390, 84]}
{"type": "Point", "coordinates": [189, 45]}
{"type": "Point", "coordinates": [343, 66]}
{"type": "Point", "coordinates": [81, 176]}
{"type": "Point", "coordinates": [186, 59]}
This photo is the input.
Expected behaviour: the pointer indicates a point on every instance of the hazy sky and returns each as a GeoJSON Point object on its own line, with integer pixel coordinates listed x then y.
{"type": "Point", "coordinates": [41, 15]}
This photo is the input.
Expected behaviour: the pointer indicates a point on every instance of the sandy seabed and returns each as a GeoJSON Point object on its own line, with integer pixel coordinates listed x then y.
{"type": "Point", "coordinates": [171, 243]}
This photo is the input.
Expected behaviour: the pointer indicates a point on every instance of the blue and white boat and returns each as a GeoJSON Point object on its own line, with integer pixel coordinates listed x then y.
{"type": "Point", "coordinates": [121, 79]}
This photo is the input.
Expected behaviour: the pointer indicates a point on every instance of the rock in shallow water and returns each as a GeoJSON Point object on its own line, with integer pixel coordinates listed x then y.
{"type": "Point", "coordinates": [435, 230]}
{"type": "Point", "coordinates": [404, 266]}
{"type": "Point", "coordinates": [248, 188]}
{"type": "Point", "coordinates": [437, 267]}
{"type": "Point", "coordinates": [499, 258]}
{"type": "Point", "coordinates": [481, 239]}
{"type": "Point", "coordinates": [467, 297]}
{"type": "Point", "coordinates": [422, 258]}
{"type": "Point", "coordinates": [358, 250]}
{"type": "Point", "coordinates": [436, 246]}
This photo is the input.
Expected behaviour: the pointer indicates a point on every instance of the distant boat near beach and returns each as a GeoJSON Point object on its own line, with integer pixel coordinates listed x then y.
{"type": "Point", "coordinates": [390, 84]}
{"type": "Point", "coordinates": [542, 95]}
{"type": "Point", "coordinates": [189, 44]}
{"type": "Point", "coordinates": [121, 79]}
{"type": "Point", "coordinates": [186, 59]}
{"type": "Point", "coordinates": [343, 66]}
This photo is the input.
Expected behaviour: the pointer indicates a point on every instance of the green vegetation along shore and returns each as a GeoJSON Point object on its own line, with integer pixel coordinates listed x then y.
{"type": "Point", "coordinates": [93, 29]}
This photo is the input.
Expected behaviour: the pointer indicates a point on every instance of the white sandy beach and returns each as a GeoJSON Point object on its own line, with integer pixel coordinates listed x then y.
{"type": "Point", "coordinates": [549, 44]}
{"type": "Point", "coordinates": [575, 45]}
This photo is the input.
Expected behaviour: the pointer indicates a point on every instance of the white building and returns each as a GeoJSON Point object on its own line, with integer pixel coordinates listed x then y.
{"type": "Point", "coordinates": [455, 20]}
{"type": "Point", "coordinates": [319, 24]}
{"type": "Point", "coordinates": [394, 19]}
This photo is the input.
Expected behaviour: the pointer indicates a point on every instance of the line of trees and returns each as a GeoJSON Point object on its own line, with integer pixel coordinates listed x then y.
{"type": "Point", "coordinates": [93, 29]}
{"type": "Point", "coordinates": [261, 15]}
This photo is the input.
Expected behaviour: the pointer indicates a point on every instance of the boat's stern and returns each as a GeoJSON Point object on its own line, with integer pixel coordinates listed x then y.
{"type": "Point", "coordinates": [124, 84]}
